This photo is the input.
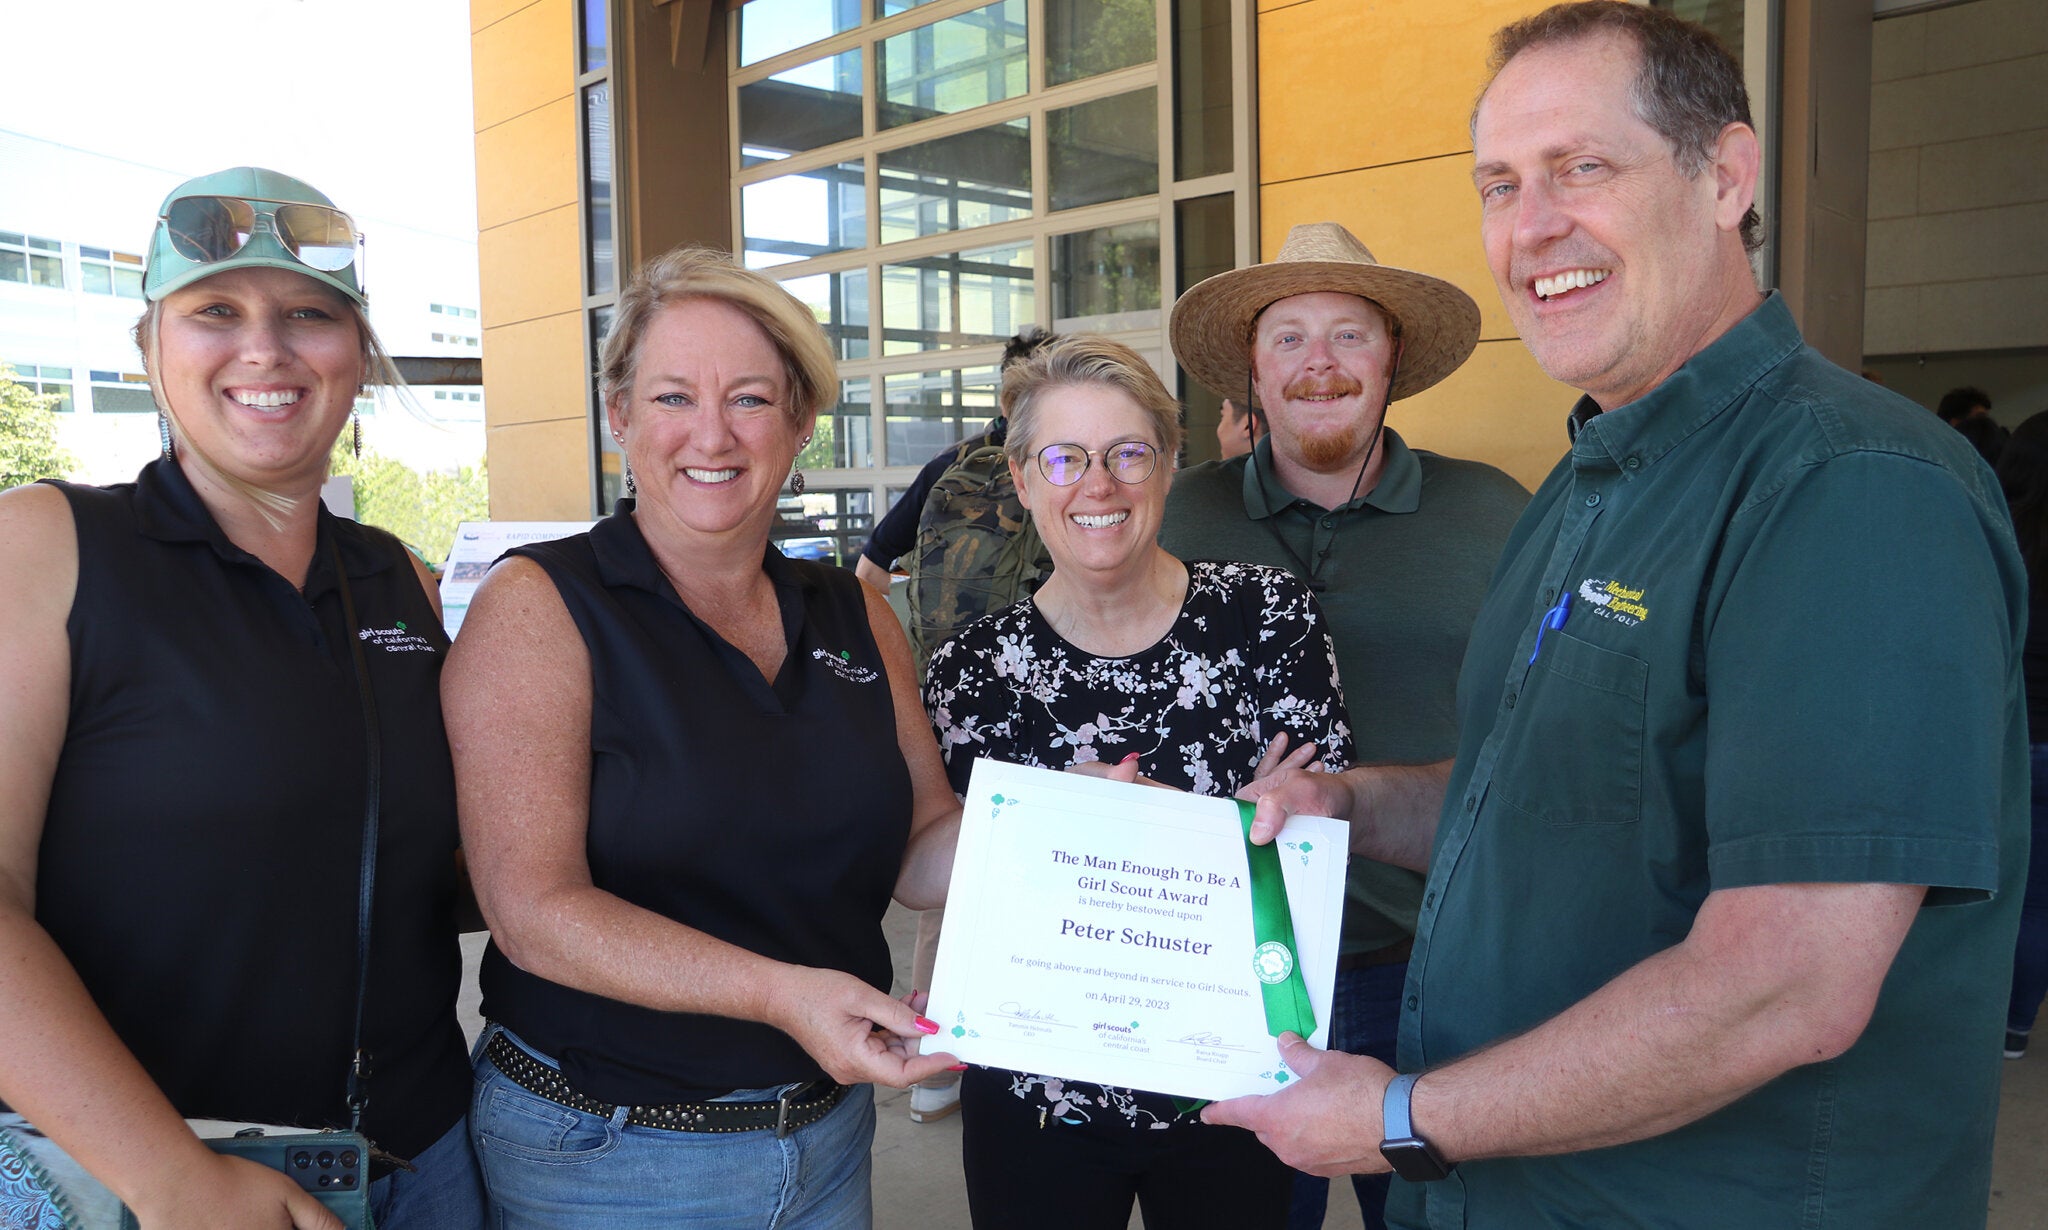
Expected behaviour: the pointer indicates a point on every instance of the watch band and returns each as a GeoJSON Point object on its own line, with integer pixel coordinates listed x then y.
{"type": "Point", "coordinates": [1411, 1156]}
{"type": "Point", "coordinates": [1394, 1121]}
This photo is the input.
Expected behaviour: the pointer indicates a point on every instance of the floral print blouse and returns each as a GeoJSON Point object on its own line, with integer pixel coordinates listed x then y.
{"type": "Point", "coordinates": [1247, 658]}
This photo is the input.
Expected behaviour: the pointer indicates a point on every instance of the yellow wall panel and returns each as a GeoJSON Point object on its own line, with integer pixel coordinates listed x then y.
{"type": "Point", "coordinates": [530, 268]}
{"type": "Point", "coordinates": [489, 12]}
{"type": "Point", "coordinates": [534, 370]}
{"type": "Point", "coordinates": [524, 61]}
{"type": "Point", "coordinates": [1355, 83]}
{"type": "Point", "coordinates": [526, 164]}
{"type": "Point", "coordinates": [1498, 408]}
{"type": "Point", "coordinates": [538, 471]}
{"type": "Point", "coordinates": [1417, 215]}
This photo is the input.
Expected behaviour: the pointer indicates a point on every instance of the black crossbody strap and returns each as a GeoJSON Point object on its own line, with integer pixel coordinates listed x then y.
{"type": "Point", "coordinates": [373, 754]}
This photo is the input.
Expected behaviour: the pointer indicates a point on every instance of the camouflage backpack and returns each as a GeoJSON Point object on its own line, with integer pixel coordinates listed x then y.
{"type": "Point", "coordinates": [976, 551]}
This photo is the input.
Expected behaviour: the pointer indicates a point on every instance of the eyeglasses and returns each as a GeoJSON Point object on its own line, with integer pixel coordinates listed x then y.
{"type": "Point", "coordinates": [213, 228]}
{"type": "Point", "coordinates": [1129, 462]}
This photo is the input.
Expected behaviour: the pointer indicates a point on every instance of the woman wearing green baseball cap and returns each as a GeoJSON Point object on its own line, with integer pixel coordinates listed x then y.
{"type": "Point", "coordinates": [225, 790]}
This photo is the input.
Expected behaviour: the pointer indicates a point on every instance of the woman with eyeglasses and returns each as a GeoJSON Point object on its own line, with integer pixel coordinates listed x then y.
{"type": "Point", "coordinates": [187, 781]}
{"type": "Point", "coordinates": [1197, 676]}
{"type": "Point", "coordinates": [692, 775]}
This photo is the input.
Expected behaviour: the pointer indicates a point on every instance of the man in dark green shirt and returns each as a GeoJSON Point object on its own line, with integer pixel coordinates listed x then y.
{"type": "Point", "coordinates": [1723, 886]}
{"type": "Point", "coordinates": [1397, 543]}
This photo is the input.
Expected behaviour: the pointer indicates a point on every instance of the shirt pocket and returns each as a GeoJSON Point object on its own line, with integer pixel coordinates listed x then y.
{"type": "Point", "coordinates": [1574, 755]}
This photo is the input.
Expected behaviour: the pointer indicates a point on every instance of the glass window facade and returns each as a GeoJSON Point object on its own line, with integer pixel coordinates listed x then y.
{"type": "Point", "coordinates": [31, 259]}
{"type": "Point", "coordinates": [601, 188]}
{"type": "Point", "coordinates": [953, 64]}
{"type": "Point", "coordinates": [951, 183]}
{"type": "Point", "coordinates": [801, 108]}
{"type": "Point", "coordinates": [50, 381]}
{"type": "Point", "coordinates": [1087, 37]}
{"type": "Point", "coordinates": [930, 177]}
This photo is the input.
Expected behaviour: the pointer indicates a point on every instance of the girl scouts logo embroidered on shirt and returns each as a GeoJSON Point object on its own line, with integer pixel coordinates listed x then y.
{"type": "Point", "coordinates": [1615, 601]}
{"type": "Point", "coordinates": [842, 666]}
{"type": "Point", "coordinates": [396, 639]}
{"type": "Point", "coordinates": [1273, 962]}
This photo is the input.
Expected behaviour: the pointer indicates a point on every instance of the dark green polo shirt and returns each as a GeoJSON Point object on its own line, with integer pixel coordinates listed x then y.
{"type": "Point", "coordinates": [1406, 567]}
{"type": "Point", "coordinates": [1791, 654]}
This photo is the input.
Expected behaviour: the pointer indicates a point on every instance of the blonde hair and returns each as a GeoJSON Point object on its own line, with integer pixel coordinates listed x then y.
{"type": "Point", "coordinates": [691, 272]}
{"type": "Point", "coordinates": [1084, 359]}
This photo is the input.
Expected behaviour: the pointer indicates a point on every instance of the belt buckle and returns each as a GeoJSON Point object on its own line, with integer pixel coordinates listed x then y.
{"type": "Point", "coordinates": [782, 1115]}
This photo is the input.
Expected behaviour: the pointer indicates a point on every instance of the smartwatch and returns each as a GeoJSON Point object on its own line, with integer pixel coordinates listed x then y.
{"type": "Point", "coordinates": [1412, 1157]}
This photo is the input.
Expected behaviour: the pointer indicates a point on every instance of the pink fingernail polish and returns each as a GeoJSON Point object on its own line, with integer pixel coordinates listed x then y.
{"type": "Point", "coordinates": [925, 1025]}
{"type": "Point", "coordinates": [958, 1067]}
{"type": "Point", "coordinates": [1128, 759]}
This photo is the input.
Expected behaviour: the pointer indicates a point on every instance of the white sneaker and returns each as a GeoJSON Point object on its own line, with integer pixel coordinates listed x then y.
{"type": "Point", "coordinates": [928, 1102]}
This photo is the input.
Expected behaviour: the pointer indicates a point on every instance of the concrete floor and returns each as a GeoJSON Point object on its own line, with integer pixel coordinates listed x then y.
{"type": "Point", "coordinates": [917, 1166]}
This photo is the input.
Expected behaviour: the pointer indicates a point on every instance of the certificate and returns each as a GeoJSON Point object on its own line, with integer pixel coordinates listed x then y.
{"type": "Point", "coordinates": [1127, 935]}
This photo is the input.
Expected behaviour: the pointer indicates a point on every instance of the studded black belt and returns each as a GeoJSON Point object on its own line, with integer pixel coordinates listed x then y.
{"type": "Point", "coordinates": [800, 1107]}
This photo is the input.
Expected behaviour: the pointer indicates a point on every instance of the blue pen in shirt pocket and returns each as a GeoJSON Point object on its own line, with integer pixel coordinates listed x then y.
{"type": "Point", "coordinates": [1552, 618]}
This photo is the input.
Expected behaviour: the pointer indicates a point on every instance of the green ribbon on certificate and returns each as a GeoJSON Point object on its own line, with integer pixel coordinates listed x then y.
{"type": "Point", "coordinates": [1275, 958]}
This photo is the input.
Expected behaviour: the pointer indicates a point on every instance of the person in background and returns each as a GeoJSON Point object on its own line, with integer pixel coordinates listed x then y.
{"type": "Point", "coordinates": [1959, 404]}
{"type": "Point", "coordinates": [184, 775]}
{"type": "Point", "coordinates": [687, 982]}
{"type": "Point", "coordinates": [1093, 670]}
{"type": "Point", "coordinates": [1968, 410]}
{"type": "Point", "coordinates": [896, 533]}
{"type": "Point", "coordinates": [2023, 475]}
{"type": "Point", "coordinates": [1238, 429]}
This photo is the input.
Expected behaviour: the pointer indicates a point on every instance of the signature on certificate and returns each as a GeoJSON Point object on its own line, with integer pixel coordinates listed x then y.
{"type": "Point", "coordinates": [1210, 1041]}
{"type": "Point", "coordinates": [1018, 1012]}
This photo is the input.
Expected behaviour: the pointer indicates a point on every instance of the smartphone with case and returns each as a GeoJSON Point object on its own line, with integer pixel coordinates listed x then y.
{"type": "Point", "coordinates": [333, 1166]}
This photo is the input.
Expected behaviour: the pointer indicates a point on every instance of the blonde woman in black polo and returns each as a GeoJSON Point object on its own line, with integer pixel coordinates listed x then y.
{"type": "Point", "coordinates": [692, 774]}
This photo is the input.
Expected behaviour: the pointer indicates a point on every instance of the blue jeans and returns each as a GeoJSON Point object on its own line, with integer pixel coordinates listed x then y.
{"type": "Point", "coordinates": [443, 1191]}
{"type": "Point", "coordinates": [2030, 957]}
{"type": "Point", "coordinates": [548, 1166]}
{"type": "Point", "coordinates": [1365, 1015]}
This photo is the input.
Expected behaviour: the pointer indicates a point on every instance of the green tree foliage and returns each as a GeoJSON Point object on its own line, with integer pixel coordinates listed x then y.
{"type": "Point", "coordinates": [423, 509]}
{"type": "Point", "coordinates": [28, 435]}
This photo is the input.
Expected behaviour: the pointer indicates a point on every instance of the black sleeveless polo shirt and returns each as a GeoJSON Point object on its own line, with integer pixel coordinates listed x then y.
{"type": "Point", "coordinates": [199, 859]}
{"type": "Point", "coordinates": [773, 817]}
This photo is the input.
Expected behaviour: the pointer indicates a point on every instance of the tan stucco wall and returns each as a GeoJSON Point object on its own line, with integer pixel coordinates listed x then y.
{"type": "Point", "coordinates": [1958, 237]}
{"type": "Point", "coordinates": [529, 253]}
{"type": "Point", "coordinates": [1363, 120]}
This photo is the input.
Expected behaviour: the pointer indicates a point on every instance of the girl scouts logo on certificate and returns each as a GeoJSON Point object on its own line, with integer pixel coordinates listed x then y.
{"type": "Point", "coordinates": [1273, 962]}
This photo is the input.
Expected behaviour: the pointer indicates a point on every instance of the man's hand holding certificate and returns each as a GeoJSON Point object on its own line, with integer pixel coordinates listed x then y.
{"type": "Point", "coordinates": [1127, 935]}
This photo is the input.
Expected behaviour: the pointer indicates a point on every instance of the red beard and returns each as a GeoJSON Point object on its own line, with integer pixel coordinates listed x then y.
{"type": "Point", "coordinates": [1329, 448]}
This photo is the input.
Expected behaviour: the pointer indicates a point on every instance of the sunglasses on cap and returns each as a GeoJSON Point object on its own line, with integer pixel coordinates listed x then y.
{"type": "Point", "coordinates": [205, 229]}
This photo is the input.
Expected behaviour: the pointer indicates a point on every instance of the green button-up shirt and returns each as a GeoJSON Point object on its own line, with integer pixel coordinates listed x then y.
{"type": "Point", "coordinates": [1760, 626]}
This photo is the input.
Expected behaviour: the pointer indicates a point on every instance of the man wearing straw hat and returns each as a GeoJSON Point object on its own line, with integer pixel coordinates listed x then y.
{"type": "Point", "coordinates": [1723, 887]}
{"type": "Point", "coordinates": [1396, 542]}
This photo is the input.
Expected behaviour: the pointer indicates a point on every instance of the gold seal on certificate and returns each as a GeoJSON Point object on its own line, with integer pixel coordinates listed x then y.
{"type": "Point", "coordinates": [1128, 935]}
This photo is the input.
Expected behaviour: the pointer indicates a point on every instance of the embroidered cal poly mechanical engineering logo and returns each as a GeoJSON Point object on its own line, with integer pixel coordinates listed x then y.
{"type": "Point", "coordinates": [396, 639]}
{"type": "Point", "coordinates": [1613, 600]}
{"type": "Point", "coordinates": [1272, 962]}
{"type": "Point", "coordinates": [842, 666]}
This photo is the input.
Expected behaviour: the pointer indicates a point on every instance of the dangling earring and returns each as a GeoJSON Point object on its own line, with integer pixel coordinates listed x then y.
{"type": "Point", "coordinates": [796, 476]}
{"type": "Point", "coordinates": [355, 420]}
{"type": "Point", "coordinates": [163, 431]}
